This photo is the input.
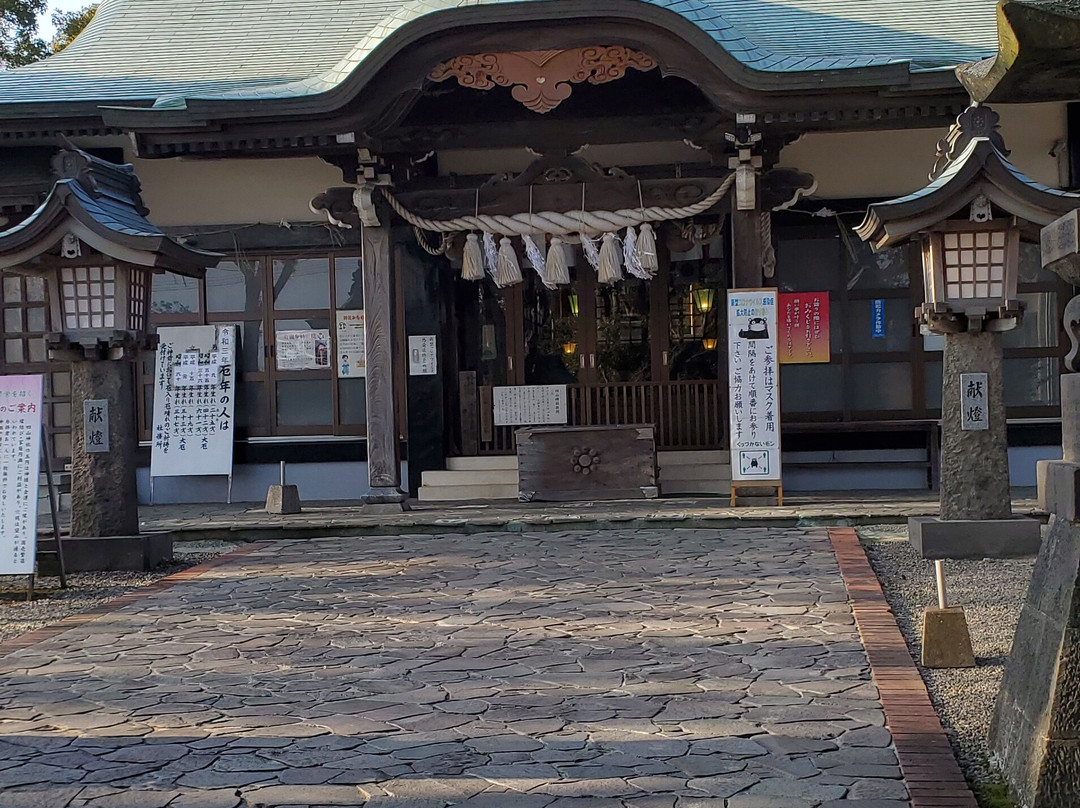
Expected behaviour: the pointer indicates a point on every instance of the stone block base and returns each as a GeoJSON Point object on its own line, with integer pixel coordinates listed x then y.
{"type": "Point", "coordinates": [946, 641]}
{"type": "Point", "coordinates": [111, 553]}
{"type": "Point", "coordinates": [283, 499]}
{"type": "Point", "coordinates": [1059, 488]}
{"type": "Point", "coordinates": [756, 496]}
{"type": "Point", "coordinates": [1036, 725]}
{"type": "Point", "coordinates": [384, 500]}
{"type": "Point", "coordinates": [975, 538]}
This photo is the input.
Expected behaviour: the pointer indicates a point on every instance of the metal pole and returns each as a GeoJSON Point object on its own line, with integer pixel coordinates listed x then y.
{"type": "Point", "coordinates": [939, 569]}
{"type": "Point", "coordinates": [228, 497]}
{"type": "Point", "coordinates": [282, 480]}
{"type": "Point", "coordinates": [54, 505]}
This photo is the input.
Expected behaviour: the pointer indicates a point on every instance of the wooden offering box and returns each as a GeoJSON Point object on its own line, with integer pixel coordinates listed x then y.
{"type": "Point", "coordinates": [570, 463]}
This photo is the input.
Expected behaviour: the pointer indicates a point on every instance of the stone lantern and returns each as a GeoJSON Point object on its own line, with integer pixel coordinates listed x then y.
{"type": "Point", "coordinates": [91, 242]}
{"type": "Point", "coordinates": [970, 221]}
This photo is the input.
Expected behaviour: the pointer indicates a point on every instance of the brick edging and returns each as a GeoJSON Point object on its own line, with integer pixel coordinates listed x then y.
{"type": "Point", "coordinates": [169, 581]}
{"type": "Point", "coordinates": [931, 772]}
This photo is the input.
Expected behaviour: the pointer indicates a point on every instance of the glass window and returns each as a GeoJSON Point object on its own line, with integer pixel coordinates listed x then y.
{"type": "Point", "coordinates": [13, 351]}
{"type": "Point", "coordinates": [349, 283]}
{"type": "Point", "coordinates": [252, 356]}
{"type": "Point", "coordinates": [808, 264]}
{"type": "Point", "coordinates": [352, 401]}
{"type": "Point", "coordinates": [1031, 269]}
{"type": "Point", "coordinates": [1039, 328]}
{"type": "Point", "coordinates": [898, 323]}
{"type": "Point", "coordinates": [932, 379]}
{"type": "Point", "coordinates": [251, 405]}
{"type": "Point", "coordinates": [36, 321]}
{"type": "Point", "coordinates": [235, 286]}
{"type": "Point", "coordinates": [174, 294]}
{"type": "Point", "coordinates": [884, 270]}
{"type": "Point", "coordinates": [304, 402]}
{"type": "Point", "coordinates": [13, 321]}
{"type": "Point", "coordinates": [1031, 382]}
{"type": "Point", "coordinates": [881, 386]}
{"type": "Point", "coordinates": [301, 283]}
{"type": "Point", "coordinates": [35, 290]}
{"type": "Point", "coordinates": [811, 388]}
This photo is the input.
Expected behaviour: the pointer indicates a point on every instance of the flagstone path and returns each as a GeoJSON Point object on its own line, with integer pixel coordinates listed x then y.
{"type": "Point", "coordinates": [632, 669]}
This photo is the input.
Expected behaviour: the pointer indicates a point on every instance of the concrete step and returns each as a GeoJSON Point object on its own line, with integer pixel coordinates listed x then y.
{"type": "Point", "coordinates": [482, 463]}
{"type": "Point", "coordinates": [695, 473]}
{"type": "Point", "coordinates": [461, 477]}
{"type": "Point", "coordinates": [448, 493]}
{"type": "Point", "coordinates": [681, 458]}
{"type": "Point", "coordinates": [695, 487]}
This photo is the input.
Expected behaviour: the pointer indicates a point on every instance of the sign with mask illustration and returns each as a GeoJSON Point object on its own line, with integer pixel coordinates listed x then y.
{"type": "Point", "coordinates": [753, 385]}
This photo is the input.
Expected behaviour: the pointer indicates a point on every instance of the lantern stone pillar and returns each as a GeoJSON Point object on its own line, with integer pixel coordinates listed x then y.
{"type": "Point", "coordinates": [104, 497]}
{"type": "Point", "coordinates": [974, 463]}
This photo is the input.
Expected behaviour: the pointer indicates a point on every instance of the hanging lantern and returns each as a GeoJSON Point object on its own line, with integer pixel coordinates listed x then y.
{"type": "Point", "coordinates": [709, 343]}
{"type": "Point", "coordinates": [703, 299]}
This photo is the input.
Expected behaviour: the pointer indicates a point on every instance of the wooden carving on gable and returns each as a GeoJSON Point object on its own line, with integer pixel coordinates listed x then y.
{"type": "Point", "coordinates": [541, 80]}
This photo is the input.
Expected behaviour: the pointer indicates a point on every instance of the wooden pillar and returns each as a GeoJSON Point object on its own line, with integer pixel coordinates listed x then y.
{"type": "Point", "coordinates": [746, 247]}
{"type": "Point", "coordinates": [383, 448]}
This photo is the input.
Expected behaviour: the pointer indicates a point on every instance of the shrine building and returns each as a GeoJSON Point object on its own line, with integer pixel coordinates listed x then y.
{"type": "Point", "coordinates": [534, 194]}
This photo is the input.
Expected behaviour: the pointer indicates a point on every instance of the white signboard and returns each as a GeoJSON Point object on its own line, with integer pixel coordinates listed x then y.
{"type": "Point", "coordinates": [96, 426]}
{"type": "Point", "coordinates": [530, 405]}
{"type": "Point", "coordinates": [973, 406]}
{"type": "Point", "coordinates": [753, 382]}
{"type": "Point", "coordinates": [20, 457]}
{"type": "Point", "coordinates": [423, 358]}
{"type": "Point", "coordinates": [302, 350]}
{"type": "Point", "coordinates": [351, 350]}
{"type": "Point", "coordinates": [194, 400]}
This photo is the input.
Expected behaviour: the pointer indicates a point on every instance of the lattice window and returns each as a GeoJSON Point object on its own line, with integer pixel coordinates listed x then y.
{"type": "Point", "coordinates": [88, 297]}
{"type": "Point", "coordinates": [974, 265]}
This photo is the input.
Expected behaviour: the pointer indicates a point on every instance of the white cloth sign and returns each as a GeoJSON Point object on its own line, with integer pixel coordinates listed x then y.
{"type": "Point", "coordinates": [753, 384]}
{"type": "Point", "coordinates": [530, 405]}
{"type": "Point", "coordinates": [351, 350]}
{"type": "Point", "coordinates": [20, 459]}
{"type": "Point", "coordinates": [303, 350]}
{"type": "Point", "coordinates": [423, 356]}
{"type": "Point", "coordinates": [194, 401]}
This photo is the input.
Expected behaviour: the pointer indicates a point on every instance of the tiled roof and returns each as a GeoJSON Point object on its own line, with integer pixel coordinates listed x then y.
{"type": "Point", "coordinates": [165, 51]}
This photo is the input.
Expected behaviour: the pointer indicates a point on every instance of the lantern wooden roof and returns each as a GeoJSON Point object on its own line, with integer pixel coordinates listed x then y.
{"type": "Point", "coordinates": [974, 163]}
{"type": "Point", "coordinates": [99, 203]}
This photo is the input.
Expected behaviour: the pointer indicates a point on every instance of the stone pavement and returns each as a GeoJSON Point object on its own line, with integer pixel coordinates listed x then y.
{"type": "Point", "coordinates": [251, 522]}
{"type": "Point", "coordinates": [615, 669]}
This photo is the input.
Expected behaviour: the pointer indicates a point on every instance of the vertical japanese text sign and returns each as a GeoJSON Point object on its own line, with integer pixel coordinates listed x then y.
{"type": "Point", "coordinates": [803, 326]}
{"type": "Point", "coordinates": [194, 401]}
{"type": "Point", "coordinates": [973, 405]}
{"type": "Point", "coordinates": [20, 458]}
{"type": "Point", "coordinates": [754, 385]}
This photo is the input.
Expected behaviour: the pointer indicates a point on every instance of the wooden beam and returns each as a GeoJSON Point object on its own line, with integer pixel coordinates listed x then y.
{"type": "Point", "coordinates": [383, 449]}
{"type": "Point", "coordinates": [746, 249]}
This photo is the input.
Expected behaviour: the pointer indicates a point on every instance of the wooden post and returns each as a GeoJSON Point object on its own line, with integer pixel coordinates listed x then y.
{"type": "Point", "coordinates": [746, 248]}
{"type": "Point", "coordinates": [383, 449]}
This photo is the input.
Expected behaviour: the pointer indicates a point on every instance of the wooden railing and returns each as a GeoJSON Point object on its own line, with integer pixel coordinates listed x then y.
{"type": "Point", "coordinates": [686, 414]}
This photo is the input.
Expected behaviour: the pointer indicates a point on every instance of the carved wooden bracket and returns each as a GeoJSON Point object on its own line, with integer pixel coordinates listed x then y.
{"type": "Point", "coordinates": [541, 80]}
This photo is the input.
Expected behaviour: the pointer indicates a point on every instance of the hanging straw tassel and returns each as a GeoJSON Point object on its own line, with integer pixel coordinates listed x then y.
{"type": "Point", "coordinates": [536, 258]}
{"type": "Point", "coordinates": [592, 252]}
{"type": "Point", "coordinates": [555, 269]}
{"type": "Point", "coordinates": [507, 269]}
{"type": "Point", "coordinates": [610, 270]}
{"type": "Point", "coordinates": [491, 256]}
{"type": "Point", "coordinates": [630, 256]}
{"type": "Point", "coordinates": [646, 249]}
{"type": "Point", "coordinates": [472, 259]}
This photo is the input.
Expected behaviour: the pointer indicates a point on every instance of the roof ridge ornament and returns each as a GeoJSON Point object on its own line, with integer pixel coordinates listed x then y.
{"type": "Point", "coordinates": [974, 122]}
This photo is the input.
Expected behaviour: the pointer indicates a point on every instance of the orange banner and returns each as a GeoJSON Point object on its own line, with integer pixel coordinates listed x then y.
{"type": "Point", "coordinates": [804, 327]}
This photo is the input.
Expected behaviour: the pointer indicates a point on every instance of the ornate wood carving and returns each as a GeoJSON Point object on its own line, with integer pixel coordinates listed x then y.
{"type": "Point", "coordinates": [541, 80]}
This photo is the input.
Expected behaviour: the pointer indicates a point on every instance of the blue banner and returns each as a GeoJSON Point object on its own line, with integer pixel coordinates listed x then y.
{"type": "Point", "coordinates": [878, 319]}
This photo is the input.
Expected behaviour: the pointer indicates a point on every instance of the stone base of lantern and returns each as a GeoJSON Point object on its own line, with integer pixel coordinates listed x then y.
{"type": "Point", "coordinates": [110, 553]}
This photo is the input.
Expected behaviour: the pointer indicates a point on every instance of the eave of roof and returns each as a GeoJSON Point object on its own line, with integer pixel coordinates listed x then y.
{"type": "Point", "coordinates": [138, 53]}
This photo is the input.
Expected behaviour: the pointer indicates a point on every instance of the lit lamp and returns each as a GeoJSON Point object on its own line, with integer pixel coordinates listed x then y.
{"type": "Point", "coordinates": [709, 343]}
{"type": "Point", "coordinates": [574, 305]}
{"type": "Point", "coordinates": [969, 221]}
{"type": "Point", "coordinates": [91, 242]}
{"type": "Point", "coordinates": [569, 348]}
{"type": "Point", "coordinates": [703, 299]}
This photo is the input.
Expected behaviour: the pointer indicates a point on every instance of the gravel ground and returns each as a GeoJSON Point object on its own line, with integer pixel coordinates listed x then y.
{"type": "Point", "coordinates": [85, 590]}
{"type": "Point", "coordinates": [992, 593]}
